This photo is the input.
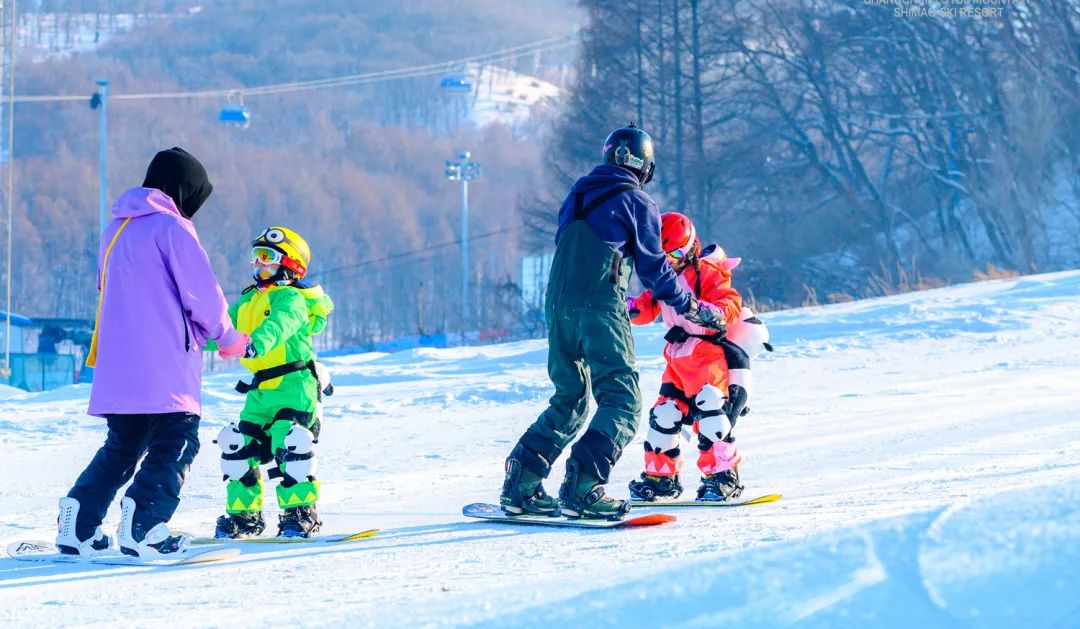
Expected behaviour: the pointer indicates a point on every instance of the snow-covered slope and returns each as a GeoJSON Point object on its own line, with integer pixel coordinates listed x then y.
{"type": "Point", "coordinates": [927, 446]}
{"type": "Point", "coordinates": [504, 96]}
{"type": "Point", "coordinates": [42, 35]}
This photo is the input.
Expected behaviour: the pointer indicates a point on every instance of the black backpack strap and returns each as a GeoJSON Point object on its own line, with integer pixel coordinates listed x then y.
{"type": "Point", "coordinates": [676, 334]}
{"type": "Point", "coordinates": [581, 213]}
{"type": "Point", "coordinates": [263, 375]}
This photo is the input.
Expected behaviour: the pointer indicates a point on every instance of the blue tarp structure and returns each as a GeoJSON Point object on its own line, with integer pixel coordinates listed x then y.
{"type": "Point", "coordinates": [29, 369]}
{"type": "Point", "coordinates": [41, 372]}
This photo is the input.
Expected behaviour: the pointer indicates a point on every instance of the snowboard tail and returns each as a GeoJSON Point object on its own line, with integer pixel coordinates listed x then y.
{"type": "Point", "coordinates": [494, 513]}
{"type": "Point", "coordinates": [39, 550]}
{"type": "Point", "coordinates": [42, 551]}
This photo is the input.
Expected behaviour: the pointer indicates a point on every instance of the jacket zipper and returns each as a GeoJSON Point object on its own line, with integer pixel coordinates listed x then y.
{"type": "Point", "coordinates": [187, 334]}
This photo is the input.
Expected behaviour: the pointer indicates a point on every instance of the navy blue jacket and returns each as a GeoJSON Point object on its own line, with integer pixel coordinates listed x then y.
{"type": "Point", "coordinates": [630, 224]}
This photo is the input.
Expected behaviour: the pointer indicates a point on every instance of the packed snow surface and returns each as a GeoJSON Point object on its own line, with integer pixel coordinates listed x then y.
{"type": "Point", "coordinates": [927, 446]}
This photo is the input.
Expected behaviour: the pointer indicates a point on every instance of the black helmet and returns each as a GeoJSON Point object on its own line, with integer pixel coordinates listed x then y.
{"type": "Point", "coordinates": [631, 148]}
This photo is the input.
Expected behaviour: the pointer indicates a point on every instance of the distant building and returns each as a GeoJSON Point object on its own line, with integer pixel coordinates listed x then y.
{"type": "Point", "coordinates": [21, 328]}
{"type": "Point", "coordinates": [45, 353]}
{"type": "Point", "coordinates": [534, 278]}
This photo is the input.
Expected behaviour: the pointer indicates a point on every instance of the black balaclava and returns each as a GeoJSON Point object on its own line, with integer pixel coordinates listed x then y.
{"type": "Point", "coordinates": [178, 174]}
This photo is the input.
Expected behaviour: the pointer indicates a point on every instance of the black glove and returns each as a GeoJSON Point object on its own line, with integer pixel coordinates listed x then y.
{"type": "Point", "coordinates": [250, 352]}
{"type": "Point", "coordinates": [705, 316]}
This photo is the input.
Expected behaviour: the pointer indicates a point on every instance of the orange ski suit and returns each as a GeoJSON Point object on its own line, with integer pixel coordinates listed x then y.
{"type": "Point", "coordinates": [693, 363]}
{"type": "Point", "coordinates": [696, 362]}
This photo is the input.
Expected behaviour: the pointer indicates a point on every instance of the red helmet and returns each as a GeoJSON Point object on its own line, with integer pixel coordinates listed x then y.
{"type": "Point", "coordinates": [678, 236]}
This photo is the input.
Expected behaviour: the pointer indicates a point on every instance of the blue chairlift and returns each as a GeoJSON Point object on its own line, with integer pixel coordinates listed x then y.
{"type": "Point", "coordinates": [234, 113]}
{"type": "Point", "coordinates": [455, 84]}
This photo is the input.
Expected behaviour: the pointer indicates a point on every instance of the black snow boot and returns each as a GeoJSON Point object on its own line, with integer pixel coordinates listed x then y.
{"type": "Point", "coordinates": [649, 488]}
{"type": "Point", "coordinates": [523, 492]}
{"type": "Point", "coordinates": [299, 522]}
{"type": "Point", "coordinates": [582, 496]}
{"type": "Point", "coordinates": [720, 487]}
{"type": "Point", "coordinates": [240, 525]}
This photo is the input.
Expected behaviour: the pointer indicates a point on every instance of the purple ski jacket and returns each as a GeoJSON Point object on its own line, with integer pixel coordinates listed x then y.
{"type": "Point", "coordinates": [161, 304]}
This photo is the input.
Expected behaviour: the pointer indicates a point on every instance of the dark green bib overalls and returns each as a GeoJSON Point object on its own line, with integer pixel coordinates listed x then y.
{"type": "Point", "coordinates": [590, 347]}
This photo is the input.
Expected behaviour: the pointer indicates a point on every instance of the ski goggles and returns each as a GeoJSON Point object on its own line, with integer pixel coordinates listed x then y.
{"type": "Point", "coordinates": [676, 255]}
{"type": "Point", "coordinates": [266, 256]}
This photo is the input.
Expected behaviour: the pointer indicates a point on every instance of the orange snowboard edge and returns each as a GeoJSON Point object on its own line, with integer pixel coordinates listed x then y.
{"type": "Point", "coordinates": [649, 520]}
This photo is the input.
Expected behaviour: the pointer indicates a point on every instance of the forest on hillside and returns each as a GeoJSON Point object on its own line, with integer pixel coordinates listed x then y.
{"type": "Point", "coordinates": [843, 147]}
{"type": "Point", "coordinates": [357, 170]}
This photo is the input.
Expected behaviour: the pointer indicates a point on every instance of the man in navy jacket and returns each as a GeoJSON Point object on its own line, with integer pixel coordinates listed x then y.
{"type": "Point", "coordinates": [605, 221]}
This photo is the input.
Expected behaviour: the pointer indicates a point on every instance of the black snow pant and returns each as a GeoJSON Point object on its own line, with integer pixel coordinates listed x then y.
{"type": "Point", "coordinates": [169, 442]}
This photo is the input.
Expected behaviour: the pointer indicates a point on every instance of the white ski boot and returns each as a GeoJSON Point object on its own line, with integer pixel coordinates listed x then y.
{"type": "Point", "coordinates": [67, 542]}
{"type": "Point", "coordinates": [157, 542]}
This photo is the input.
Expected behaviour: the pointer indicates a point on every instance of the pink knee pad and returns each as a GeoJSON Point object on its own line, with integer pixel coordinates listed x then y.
{"type": "Point", "coordinates": [720, 457]}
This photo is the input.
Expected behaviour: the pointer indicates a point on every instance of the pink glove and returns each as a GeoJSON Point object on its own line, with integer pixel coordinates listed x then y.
{"type": "Point", "coordinates": [237, 349]}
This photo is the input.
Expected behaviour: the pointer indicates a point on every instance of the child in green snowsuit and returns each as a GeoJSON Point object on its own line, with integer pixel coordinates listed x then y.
{"type": "Point", "coordinates": [279, 422]}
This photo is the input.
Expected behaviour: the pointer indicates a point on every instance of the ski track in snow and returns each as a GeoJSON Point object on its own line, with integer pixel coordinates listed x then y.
{"type": "Point", "coordinates": [926, 445]}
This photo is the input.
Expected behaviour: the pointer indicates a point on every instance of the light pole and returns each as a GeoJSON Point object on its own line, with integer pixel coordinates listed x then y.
{"type": "Point", "coordinates": [98, 101]}
{"type": "Point", "coordinates": [464, 170]}
{"type": "Point", "coordinates": [7, 61]}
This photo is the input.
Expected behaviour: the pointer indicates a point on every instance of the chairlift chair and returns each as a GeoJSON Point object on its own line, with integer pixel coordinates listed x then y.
{"type": "Point", "coordinates": [234, 113]}
{"type": "Point", "coordinates": [455, 84]}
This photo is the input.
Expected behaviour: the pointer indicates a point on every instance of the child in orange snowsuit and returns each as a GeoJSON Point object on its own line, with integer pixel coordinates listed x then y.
{"type": "Point", "coordinates": [707, 380]}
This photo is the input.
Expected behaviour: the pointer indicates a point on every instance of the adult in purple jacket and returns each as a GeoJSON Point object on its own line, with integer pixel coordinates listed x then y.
{"type": "Point", "coordinates": [159, 305]}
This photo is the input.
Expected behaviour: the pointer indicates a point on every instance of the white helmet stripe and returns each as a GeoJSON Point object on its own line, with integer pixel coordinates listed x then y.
{"type": "Point", "coordinates": [689, 246]}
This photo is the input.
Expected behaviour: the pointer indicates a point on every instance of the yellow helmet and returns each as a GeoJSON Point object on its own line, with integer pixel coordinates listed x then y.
{"type": "Point", "coordinates": [294, 249]}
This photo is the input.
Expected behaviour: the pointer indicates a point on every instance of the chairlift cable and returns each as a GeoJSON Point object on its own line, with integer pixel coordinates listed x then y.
{"type": "Point", "coordinates": [551, 43]}
{"type": "Point", "coordinates": [421, 70]}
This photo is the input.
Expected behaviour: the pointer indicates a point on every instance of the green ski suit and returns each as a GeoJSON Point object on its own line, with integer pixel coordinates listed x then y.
{"type": "Point", "coordinates": [281, 321]}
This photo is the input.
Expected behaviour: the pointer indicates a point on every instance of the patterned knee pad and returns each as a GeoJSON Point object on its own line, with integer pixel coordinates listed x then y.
{"type": "Point", "coordinates": [296, 459]}
{"type": "Point", "coordinates": [234, 453]}
{"type": "Point", "coordinates": [713, 424]}
{"type": "Point", "coordinates": [293, 446]}
{"type": "Point", "coordinates": [243, 493]}
{"type": "Point", "coordinates": [662, 456]}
